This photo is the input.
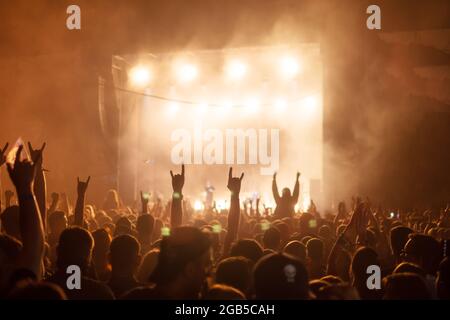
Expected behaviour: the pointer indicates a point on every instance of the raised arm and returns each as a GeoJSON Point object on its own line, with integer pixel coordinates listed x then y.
{"type": "Point", "coordinates": [296, 192]}
{"type": "Point", "coordinates": [144, 201]}
{"type": "Point", "coordinates": [275, 192]}
{"type": "Point", "coordinates": [31, 227]}
{"type": "Point", "coordinates": [2, 161]}
{"type": "Point", "coordinates": [176, 209]}
{"type": "Point", "coordinates": [81, 197]}
{"type": "Point", "coordinates": [40, 187]}
{"type": "Point", "coordinates": [234, 185]}
{"type": "Point", "coordinates": [54, 204]}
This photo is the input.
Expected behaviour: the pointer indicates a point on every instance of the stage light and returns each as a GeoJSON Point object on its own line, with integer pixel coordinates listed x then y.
{"type": "Point", "coordinates": [289, 66]}
{"type": "Point", "coordinates": [306, 202]}
{"type": "Point", "coordinates": [221, 204]}
{"type": "Point", "coordinates": [198, 205]}
{"type": "Point", "coordinates": [202, 107]}
{"type": "Point", "coordinates": [140, 76]}
{"type": "Point", "coordinates": [236, 70]}
{"type": "Point", "coordinates": [187, 73]}
{"type": "Point", "coordinates": [252, 105]}
{"type": "Point", "coordinates": [173, 107]}
{"type": "Point", "coordinates": [280, 104]}
{"type": "Point", "coordinates": [310, 103]}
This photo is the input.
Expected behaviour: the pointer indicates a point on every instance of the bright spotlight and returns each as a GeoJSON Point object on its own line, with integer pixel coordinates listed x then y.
{"type": "Point", "coordinates": [236, 70]}
{"type": "Point", "coordinates": [198, 205]}
{"type": "Point", "coordinates": [140, 76]}
{"type": "Point", "coordinates": [173, 107]}
{"type": "Point", "coordinates": [289, 66]}
{"type": "Point", "coordinates": [222, 204]}
{"type": "Point", "coordinates": [310, 103]}
{"type": "Point", "coordinates": [202, 107]}
{"type": "Point", "coordinates": [280, 104]}
{"type": "Point", "coordinates": [187, 73]}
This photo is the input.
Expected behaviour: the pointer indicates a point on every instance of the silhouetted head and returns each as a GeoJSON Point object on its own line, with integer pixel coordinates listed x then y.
{"type": "Point", "coordinates": [405, 286]}
{"type": "Point", "coordinates": [148, 265]}
{"type": "Point", "coordinates": [399, 237]}
{"type": "Point", "coordinates": [286, 193]}
{"type": "Point", "coordinates": [409, 268]}
{"type": "Point", "coordinates": [296, 249]}
{"type": "Point", "coordinates": [343, 263]}
{"type": "Point", "coordinates": [10, 222]}
{"type": "Point", "coordinates": [425, 251]}
{"type": "Point", "coordinates": [314, 249]}
{"type": "Point", "coordinates": [112, 200]}
{"type": "Point", "coordinates": [57, 221]}
{"type": "Point", "coordinates": [123, 226]}
{"type": "Point", "coordinates": [124, 254]}
{"type": "Point", "coordinates": [184, 261]}
{"type": "Point", "coordinates": [144, 227]}
{"type": "Point", "coordinates": [280, 277]}
{"type": "Point", "coordinates": [271, 238]}
{"type": "Point", "coordinates": [37, 291]}
{"type": "Point", "coordinates": [363, 258]}
{"type": "Point", "coordinates": [235, 272]}
{"type": "Point", "coordinates": [325, 232]}
{"type": "Point", "coordinates": [247, 248]}
{"type": "Point", "coordinates": [223, 292]}
{"type": "Point", "coordinates": [74, 248]}
{"type": "Point", "coordinates": [102, 241]}
{"type": "Point", "coordinates": [10, 249]}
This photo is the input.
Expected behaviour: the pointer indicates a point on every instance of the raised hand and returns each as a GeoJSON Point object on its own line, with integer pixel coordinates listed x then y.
{"type": "Point", "coordinates": [298, 175]}
{"type": "Point", "coordinates": [234, 184]}
{"type": "Point", "coordinates": [144, 201]}
{"type": "Point", "coordinates": [22, 173]}
{"type": "Point", "coordinates": [178, 180]}
{"type": "Point", "coordinates": [82, 186]}
{"type": "Point", "coordinates": [2, 154]}
{"type": "Point", "coordinates": [55, 197]}
{"type": "Point", "coordinates": [275, 176]}
{"type": "Point", "coordinates": [36, 154]}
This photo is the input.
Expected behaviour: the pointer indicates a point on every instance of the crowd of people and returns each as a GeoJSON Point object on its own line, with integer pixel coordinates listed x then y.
{"type": "Point", "coordinates": [169, 250]}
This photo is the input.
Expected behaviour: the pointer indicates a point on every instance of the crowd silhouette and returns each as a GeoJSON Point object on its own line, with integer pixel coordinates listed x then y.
{"type": "Point", "coordinates": [162, 251]}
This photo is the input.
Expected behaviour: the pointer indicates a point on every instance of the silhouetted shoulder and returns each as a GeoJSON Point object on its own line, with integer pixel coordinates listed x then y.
{"type": "Point", "coordinates": [90, 289]}
{"type": "Point", "coordinates": [144, 293]}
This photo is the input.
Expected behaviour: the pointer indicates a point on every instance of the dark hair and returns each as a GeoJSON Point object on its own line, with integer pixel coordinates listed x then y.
{"type": "Point", "coordinates": [280, 277]}
{"type": "Point", "coordinates": [74, 248]}
{"type": "Point", "coordinates": [184, 245]}
{"type": "Point", "coordinates": [405, 286]}
{"type": "Point", "coordinates": [10, 221]}
{"type": "Point", "coordinates": [102, 241]}
{"type": "Point", "coordinates": [124, 250]}
{"type": "Point", "coordinates": [410, 268]}
{"type": "Point", "coordinates": [271, 238]}
{"type": "Point", "coordinates": [314, 248]}
{"type": "Point", "coordinates": [10, 247]}
{"type": "Point", "coordinates": [235, 272]}
{"type": "Point", "coordinates": [297, 249]}
{"type": "Point", "coordinates": [426, 249]}
{"type": "Point", "coordinates": [145, 224]}
{"type": "Point", "coordinates": [399, 237]}
{"type": "Point", "coordinates": [363, 258]}
{"type": "Point", "coordinates": [37, 291]}
{"type": "Point", "coordinates": [247, 248]}
{"type": "Point", "coordinates": [223, 292]}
